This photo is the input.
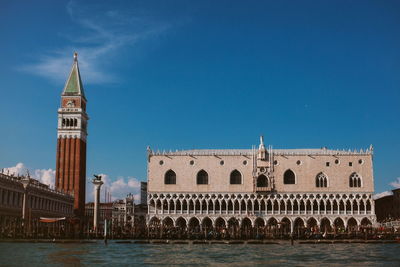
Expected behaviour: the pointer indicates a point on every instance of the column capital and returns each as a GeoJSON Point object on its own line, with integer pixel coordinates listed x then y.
{"type": "Point", "coordinates": [26, 180]}
{"type": "Point", "coordinates": [97, 181]}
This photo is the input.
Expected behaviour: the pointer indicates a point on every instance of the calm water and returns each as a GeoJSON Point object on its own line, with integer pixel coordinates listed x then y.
{"type": "Point", "coordinates": [31, 254]}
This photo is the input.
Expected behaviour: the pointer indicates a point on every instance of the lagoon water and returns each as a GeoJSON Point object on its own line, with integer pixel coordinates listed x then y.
{"type": "Point", "coordinates": [114, 254]}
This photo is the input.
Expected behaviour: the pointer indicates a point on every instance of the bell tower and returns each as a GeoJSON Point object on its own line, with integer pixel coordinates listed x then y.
{"type": "Point", "coordinates": [71, 140]}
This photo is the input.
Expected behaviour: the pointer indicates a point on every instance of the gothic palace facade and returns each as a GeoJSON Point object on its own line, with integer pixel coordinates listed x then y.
{"type": "Point", "coordinates": [261, 187]}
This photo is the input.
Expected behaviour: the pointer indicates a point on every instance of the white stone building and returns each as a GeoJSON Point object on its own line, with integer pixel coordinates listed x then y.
{"type": "Point", "coordinates": [261, 187]}
{"type": "Point", "coordinates": [123, 212]}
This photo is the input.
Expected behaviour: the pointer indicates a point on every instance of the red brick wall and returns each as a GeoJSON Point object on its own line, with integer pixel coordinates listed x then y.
{"type": "Point", "coordinates": [71, 170]}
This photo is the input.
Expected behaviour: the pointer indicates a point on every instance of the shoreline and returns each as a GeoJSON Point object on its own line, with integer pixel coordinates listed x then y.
{"type": "Point", "coordinates": [202, 242]}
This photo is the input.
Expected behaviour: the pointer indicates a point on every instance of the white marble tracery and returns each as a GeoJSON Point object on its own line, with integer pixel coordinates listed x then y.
{"type": "Point", "coordinates": [253, 206]}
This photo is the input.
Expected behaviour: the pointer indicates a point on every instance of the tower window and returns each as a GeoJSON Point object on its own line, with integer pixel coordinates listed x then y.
{"type": "Point", "coordinates": [262, 181]}
{"type": "Point", "coordinates": [170, 177]}
{"type": "Point", "coordinates": [202, 177]}
{"type": "Point", "coordinates": [355, 180]}
{"type": "Point", "coordinates": [327, 164]}
{"type": "Point", "coordinates": [321, 180]}
{"type": "Point", "coordinates": [236, 177]}
{"type": "Point", "coordinates": [289, 177]}
{"type": "Point", "coordinates": [350, 163]}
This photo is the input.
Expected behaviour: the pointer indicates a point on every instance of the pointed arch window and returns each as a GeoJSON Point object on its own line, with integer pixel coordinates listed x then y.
{"type": "Point", "coordinates": [262, 181]}
{"type": "Point", "coordinates": [170, 177]}
{"type": "Point", "coordinates": [321, 180]}
{"type": "Point", "coordinates": [289, 177]}
{"type": "Point", "coordinates": [236, 177]}
{"type": "Point", "coordinates": [355, 180]}
{"type": "Point", "coordinates": [202, 177]}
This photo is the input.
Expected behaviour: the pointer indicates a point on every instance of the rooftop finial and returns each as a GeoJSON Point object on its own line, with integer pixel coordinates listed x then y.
{"type": "Point", "coordinates": [261, 146]}
{"type": "Point", "coordinates": [262, 152]}
{"type": "Point", "coordinates": [75, 56]}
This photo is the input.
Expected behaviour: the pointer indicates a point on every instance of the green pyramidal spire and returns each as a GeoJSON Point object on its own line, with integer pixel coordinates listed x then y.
{"type": "Point", "coordinates": [74, 83]}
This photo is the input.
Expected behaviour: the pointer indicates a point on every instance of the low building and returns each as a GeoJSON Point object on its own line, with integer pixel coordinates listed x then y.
{"type": "Point", "coordinates": [125, 217]}
{"type": "Point", "coordinates": [140, 228]}
{"type": "Point", "coordinates": [106, 211]}
{"type": "Point", "coordinates": [388, 207]}
{"type": "Point", "coordinates": [123, 211]}
{"type": "Point", "coordinates": [143, 192]}
{"type": "Point", "coordinates": [40, 201]}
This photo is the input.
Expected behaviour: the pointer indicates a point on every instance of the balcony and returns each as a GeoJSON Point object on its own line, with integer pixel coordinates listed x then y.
{"type": "Point", "coordinates": [263, 189]}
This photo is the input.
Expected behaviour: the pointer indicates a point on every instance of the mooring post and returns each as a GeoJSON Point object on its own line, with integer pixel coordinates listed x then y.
{"type": "Point", "coordinates": [105, 231]}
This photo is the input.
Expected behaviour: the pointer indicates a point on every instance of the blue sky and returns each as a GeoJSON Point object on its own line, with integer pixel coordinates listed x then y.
{"type": "Point", "coordinates": [205, 74]}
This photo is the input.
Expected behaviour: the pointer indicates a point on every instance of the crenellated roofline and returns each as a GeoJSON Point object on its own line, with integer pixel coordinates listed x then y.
{"type": "Point", "coordinates": [250, 152]}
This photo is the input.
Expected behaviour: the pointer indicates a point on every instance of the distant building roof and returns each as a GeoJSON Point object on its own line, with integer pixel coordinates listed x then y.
{"type": "Point", "coordinates": [386, 194]}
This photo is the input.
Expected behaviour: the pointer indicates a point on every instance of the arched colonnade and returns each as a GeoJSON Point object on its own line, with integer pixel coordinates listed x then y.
{"type": "Point", "coordinates": [261, 205]}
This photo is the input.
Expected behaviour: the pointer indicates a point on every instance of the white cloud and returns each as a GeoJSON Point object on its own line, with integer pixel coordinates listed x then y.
{"type": "Point", "coordinates": [396, 184]}
{"type": "Point", "coordinates": [101, 34]}
{"type": "Point", "coordinates": [46, 176]}
{"type": "Point", "coordinates": [18, 169]}
{"type": "Point", "coordinates": [118, 188]}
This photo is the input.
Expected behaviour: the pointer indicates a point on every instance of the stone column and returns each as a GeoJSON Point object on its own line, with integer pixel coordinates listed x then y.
{"type": "Point", "coordinates": [299, 207]}
{"type": "Point", "coordinates": [291, 227]}
{"type": "Point", "coordinates": [175, 207]}
{"type": "Point", "coordinates": [25, 182]}
{"type": "Point", "coordinates": [372, 207]}
{"type": "Point", "coordinates": [96, 211]}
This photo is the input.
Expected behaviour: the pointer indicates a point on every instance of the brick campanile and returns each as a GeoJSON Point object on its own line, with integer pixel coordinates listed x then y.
{"type": "Point", "coordinates": [71, 140]}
